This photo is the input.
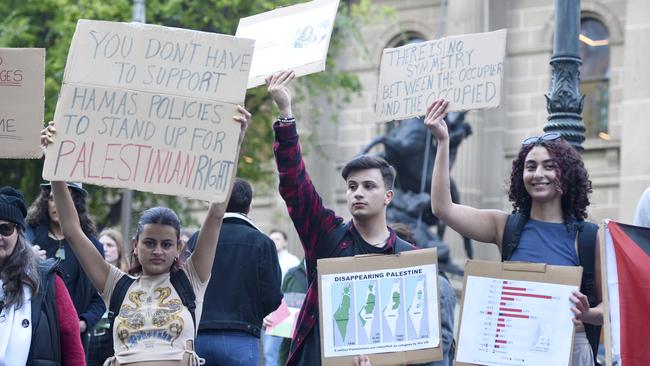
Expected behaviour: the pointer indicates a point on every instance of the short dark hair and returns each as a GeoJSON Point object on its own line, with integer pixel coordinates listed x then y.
{"type": "Point", "coordinates": [365, 162]}
{"type": "Point", "coordinates": [241, 197]}
{"type": "Point", "coordinates": [281, 232]}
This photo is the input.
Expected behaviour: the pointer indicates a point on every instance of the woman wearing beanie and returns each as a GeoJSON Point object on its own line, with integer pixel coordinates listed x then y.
{"type": "Point", "coordinates": [44, 231]}
{"type": "Point", "coordinates": [38, 322]}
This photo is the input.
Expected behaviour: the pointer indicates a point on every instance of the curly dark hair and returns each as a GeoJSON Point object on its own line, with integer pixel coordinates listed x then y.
{"type": "Point", "coordinates": [572, 178]}
{"type": "Point", "coordinates": [37, 214]}
{"type": "Point", "coordinates": [18, 270]}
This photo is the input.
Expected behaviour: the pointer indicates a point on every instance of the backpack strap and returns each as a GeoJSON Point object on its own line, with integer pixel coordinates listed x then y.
{"type": "Point", "coordinates": [402, 245]}
{"type": "Point", "coordinates": [512, 234]}
{"type": "Point", "coordinates": [587, 233]}
{"type": "Point", "coordinates": [331, 243]}
{"type": "Point", "coordinates": [185, 291]}
{"type": "Point", "coordinates": [117, 297]}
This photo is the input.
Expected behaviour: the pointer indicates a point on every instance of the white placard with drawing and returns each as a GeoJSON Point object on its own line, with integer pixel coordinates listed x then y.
{"type": "Point", "coordinates": [295, 37]}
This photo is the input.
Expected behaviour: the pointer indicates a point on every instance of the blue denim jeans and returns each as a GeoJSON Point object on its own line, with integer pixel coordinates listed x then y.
{"type": "Point", "coordinates": [228, 348]}
{"type": "Point", "coordinates": [271, 349]}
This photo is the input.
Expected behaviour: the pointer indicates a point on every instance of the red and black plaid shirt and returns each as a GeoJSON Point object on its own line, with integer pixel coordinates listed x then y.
{"type": "Point", "coordinates": [312, 221]}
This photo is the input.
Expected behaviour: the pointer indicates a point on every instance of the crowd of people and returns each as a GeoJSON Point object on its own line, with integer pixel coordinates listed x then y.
{"type": "Point", "coordinates": [72, 296]}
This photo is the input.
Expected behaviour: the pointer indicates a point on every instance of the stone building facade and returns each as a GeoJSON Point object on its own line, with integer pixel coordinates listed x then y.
{"type": "Point", "coordinates": [618, 160]}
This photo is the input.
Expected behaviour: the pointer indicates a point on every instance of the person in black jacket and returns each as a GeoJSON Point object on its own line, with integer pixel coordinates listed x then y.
{"type": "Point", "coordinates": [243, 289]}
{"type": "Point", "coordinates": [38, 323]}
{"type": "Point", "coordinates": [44, 231]}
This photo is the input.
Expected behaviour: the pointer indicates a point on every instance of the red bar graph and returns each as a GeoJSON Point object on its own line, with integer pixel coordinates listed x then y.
{"type": "Point", "coordinates": [510, 288]}
{"type": "Point", "coordinates": [527, 295]}
{"type": "Point", "coordinates": [512, 310]}
{"type": "Point", "coordinates": [515, 316]}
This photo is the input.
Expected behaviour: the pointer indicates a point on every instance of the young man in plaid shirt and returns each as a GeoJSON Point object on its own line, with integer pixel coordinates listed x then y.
{"type": "Point", "coordinates": [369, 182]}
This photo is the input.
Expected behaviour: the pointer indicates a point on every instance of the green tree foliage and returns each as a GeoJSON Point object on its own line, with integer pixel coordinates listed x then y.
{"type": "Point", "coordinates": [50, 24]}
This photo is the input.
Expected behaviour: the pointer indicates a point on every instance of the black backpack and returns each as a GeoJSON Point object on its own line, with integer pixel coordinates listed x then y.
{"type": "Point", "coordinates": [587, 233]}
{"type": "Point", "coordinates": [178, 279]}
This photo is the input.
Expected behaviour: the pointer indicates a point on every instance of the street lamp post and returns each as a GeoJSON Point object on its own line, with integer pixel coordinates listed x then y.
{"type": "Point", "coordinates": [563, 101]}
{"type": "Point", "coordinates": [139, 15]}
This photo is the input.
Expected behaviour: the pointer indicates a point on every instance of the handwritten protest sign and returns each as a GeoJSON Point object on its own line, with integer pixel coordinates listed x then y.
{"type": "Point", "coordinates": [22, 95]}
{"type": "Point", "coordinates": [295, 37]}
{"type": "Point", "coordinates": [150, 108]}
{"type": "Point", "coordinates": [466, 70]}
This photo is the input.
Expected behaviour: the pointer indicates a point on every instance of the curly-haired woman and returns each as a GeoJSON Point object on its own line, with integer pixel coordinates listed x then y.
{"type": "Point", "coordinates": [44, 231]}
{"type": "Point", "coordinates": [38, 323]}
{"type": "Point", "coordinates": [549, 186]}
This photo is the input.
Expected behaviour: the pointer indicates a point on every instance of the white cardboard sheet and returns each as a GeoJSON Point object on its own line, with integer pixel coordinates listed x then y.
{"type": "Point", "coordinates": [514, 322]}
{"type": "Point", "coordinates": [295, 37]}
{"type": "Point", "coordinates": [467, 70]}
{"type": "Point", "coordinates": [22, 97]}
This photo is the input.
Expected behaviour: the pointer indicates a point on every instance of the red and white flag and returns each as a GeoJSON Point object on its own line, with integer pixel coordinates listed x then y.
{"type": "Point", "coordinates": [627, 256]}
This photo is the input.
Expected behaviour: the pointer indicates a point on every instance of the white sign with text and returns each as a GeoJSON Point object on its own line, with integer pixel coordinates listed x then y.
{"type": "Point", "coordinates": [150, 108]}
{"type": "Point", "coordinates": [466, 70]}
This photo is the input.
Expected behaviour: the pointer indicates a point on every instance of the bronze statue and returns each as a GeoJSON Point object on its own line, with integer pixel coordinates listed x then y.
{"type": "Point", "coordinates": [404, 148]}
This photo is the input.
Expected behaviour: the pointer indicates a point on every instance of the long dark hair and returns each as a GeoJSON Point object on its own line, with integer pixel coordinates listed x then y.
{"type": "Point", "coordinates": [37, 214]}
{"type": "Point", "coordinates": [572, 178]}
{"type": "Point", "coordinates": [162, 216]}
{"type": "Point", "coordinates": [19, 269]}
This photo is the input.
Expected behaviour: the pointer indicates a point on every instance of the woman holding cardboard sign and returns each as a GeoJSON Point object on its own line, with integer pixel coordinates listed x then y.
{"type": "Point", "coordinates": [549, 189]}
{"type": "Point", "coordinates": [156, 320]}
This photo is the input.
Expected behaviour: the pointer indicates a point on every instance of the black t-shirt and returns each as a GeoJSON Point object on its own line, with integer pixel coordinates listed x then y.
{"type": "Point", "coordinates": [360, 246]}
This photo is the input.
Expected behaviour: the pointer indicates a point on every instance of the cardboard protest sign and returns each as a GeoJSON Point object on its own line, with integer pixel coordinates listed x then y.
{"type": "Point", "coordinates": [150, 108]}
{"type": "Point", "coordinates": [22, 96]}
{"type": "Point", "coordinates": [385, 306]}
{"type": "Point", "coordinates": [466, 70]}
{"type": "Point", "coordinates": [517, 314]}
{"type": "Point", "coordinates": [295, 37]}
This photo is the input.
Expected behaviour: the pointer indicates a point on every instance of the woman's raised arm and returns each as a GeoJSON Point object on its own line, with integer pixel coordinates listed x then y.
{"type": "Point", "coordinates": [91, 260]}
{"type": "Point", "coordinates": [206, 243]}
{"type": "Point", "coordinates": [482, 225]}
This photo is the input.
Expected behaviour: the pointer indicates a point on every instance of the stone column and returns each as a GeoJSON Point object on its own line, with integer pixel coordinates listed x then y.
{"type": "Point", "coordinates": [635, 128]}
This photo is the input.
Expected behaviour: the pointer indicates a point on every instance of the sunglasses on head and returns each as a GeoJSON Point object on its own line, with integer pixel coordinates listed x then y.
{"type": "Point", "coordinates": [549, 136]}
{"type": "Point", "coordinates": [7, 229]}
